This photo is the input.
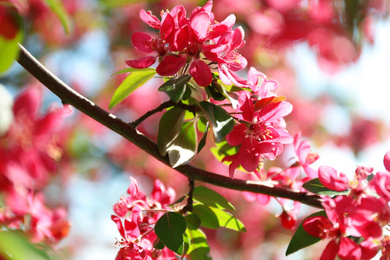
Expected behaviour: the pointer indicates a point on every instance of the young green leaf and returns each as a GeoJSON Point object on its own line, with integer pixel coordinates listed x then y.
{"type": "Point", "coordinates": [128, 70]}
{"type": "Point", "coordinates": [133, 81]}
{"type": "Point", "coordinates": [169, 128]}
{"type": "Point", "coordinates": [214, 218]}
{"type": "Point", "coordinates": [211, 198]}
{"type": "Point", "coordinates": [198, 247]}
{"type": "Point", "coordinates": [170, 229]}
{"type": "Point", "coordinates": [9, 50]}
{"type": "Point", "coordinates": [18, 247]}
{"type": "Point", "coordinates": [301, 238]}
{"type": "Point", "coordinates": [220, 120]}
{"type": "Point", "coordinates": [183, 147]}
{"type": "Point", "coordinates": [176, 87]}
{"type": "Point", "coordinates": [222, 149]}
{"type": "Point", "coordinates": [317, 187]}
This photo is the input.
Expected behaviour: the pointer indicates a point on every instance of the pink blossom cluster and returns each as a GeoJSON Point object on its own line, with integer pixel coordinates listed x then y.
{"type": "Point", "coordinates": [261, 132]}
{"type": "Point", "coordinates": [194, 44]}
{"type": "Point", "coordinates": [28, 157]}
{"type": "Point", "coordinates": [355, 223]}
{"type": "Point", "coordinates": [293, 177]}
{"type": "Point", "coordinates": [135, 218]}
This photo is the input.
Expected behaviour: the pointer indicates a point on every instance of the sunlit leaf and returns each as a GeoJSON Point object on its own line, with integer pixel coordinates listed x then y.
{"type": "Point", "coordinates": [198, 247]}
{"type": "Point", "coordinates": [170, 229]}
{"type": "Point", "coordinates": [57, 7]}
{"type": "Point", "coordinates": [169, 128]}
{"type": "Point", "coordinates": [9, 50]}
{"type": "Point", "coordinates": [128, 70]}
{"type": "Point", "coordinates": [211, 198]}
{"type": "Point", "coordinates": [193, 222]}
{"type": "Point", "coordinates": [119, 3]}
{"type": "Point", "coordinates": [176, 87]}
{"type": "Point", "coordinates": [301, 238]}
{"type": "Point", "coordinates": [220, 120]}
{"type": "Point", "coordinates": [135, 80]}
{"type": "Point", "coordinates": [223, 149]}
{"type": "Point", "coordinates": [183, 148]}
{"type": "Point", "coordinates": [214, 218]}
{"type": "Point", "coordinates": [16, 245]}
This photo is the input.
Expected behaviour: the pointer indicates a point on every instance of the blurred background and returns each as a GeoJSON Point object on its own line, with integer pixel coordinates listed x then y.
{"type": "Point", "coordinates": [330, 58]}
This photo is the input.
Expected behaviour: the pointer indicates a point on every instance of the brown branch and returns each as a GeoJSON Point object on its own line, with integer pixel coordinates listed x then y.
{"type": "Point", "coordinates": [70, 96]}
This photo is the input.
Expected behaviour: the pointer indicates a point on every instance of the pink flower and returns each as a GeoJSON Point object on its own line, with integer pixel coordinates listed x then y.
{"type": "Point", "coordinates": [259, 136]}
{"type": "Point", "coordinates": [331, 179]}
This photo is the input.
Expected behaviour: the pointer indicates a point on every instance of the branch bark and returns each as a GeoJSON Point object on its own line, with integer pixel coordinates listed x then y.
{"type": "Point", "coordinates": [71, 97]}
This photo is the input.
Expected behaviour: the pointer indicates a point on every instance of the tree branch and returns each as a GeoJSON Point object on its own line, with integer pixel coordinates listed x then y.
{"type": "Point", "coordinates": [70, 96]}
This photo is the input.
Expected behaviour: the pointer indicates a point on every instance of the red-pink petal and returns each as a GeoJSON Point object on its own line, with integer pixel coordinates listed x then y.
{"type": "Point", "coordinates": [150, 19]}
{"type": "Point", "coordinates": [386, 161]}
{"type": "Point", "coordinates": [142, 63]}
{"type": "Point", "coordinates": [274, 111]}
{"type": "Point", "coordinates": [237, 135]}
{"type": "Point", "coordinates": [200, 25]}
{"type": "Point", "coordinates": [29, 101]}
{"type": "Point", "coordinates": [119, 225]}
{"type": "Point", "coordinates": [170, 65]}
{"type": "Point", "coordinates": [331, 180]}
{"type": "Point", "coordinates": [201, 73]}
{"type": "Point", "coordinates": [330, 251]}
{"type": "Point", "coordinates": [348, 249]}
{"type": "Point", "coordinates": [141, 42]}
{"type": "Point", "coordinates": [316, 226]}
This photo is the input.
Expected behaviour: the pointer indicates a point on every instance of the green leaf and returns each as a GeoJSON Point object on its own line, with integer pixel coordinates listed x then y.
{"type": "Point", "coordinates": [170, 229]}
{"type": "Point", "coordinates": [183, 147]}
{"type": "Point", "coordinates": [193, 222]}
{"type": "Point", "coordinates": [220, 120]}
{"type": "Point", "coordinates": [176, 87]}
{"type": "Point", "coordinates": [135, 80]}
{"type": "Point", "coordinates": [119, 3]}
{"type": "Point", "coordinates": [158, 244]}
{"type": "Point", "coordinates": [9, 50]}
{"type": "Point", "coordinates": [214, 218]}
{"type": "Point", "coordinates": [202, 142]}
{"type": "Point", "coordinates": [169, 128]}
{"type": "Point", "coordinates": [128, 70]}
{"type": "Point", "coordinates": [211, 198]}
{"type": "Point", "coordinates": [301, 238]}
{"type": "Point", "coordinates": [57, 8]}
{"type": "Point", "coordinates": [214, 90]}
{"type": "Point", "coordinates": [16, 245]}
{"type": "Point", "coordinates": [317, 187]}
{"type": "Point", "coordinates": [223, 149]}
{"type": "Point", "coordinates": [198, 247]}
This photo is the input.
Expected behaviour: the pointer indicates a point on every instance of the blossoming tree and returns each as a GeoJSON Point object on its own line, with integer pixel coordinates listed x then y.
{"type": "Point", "coordinates": [186, 95]}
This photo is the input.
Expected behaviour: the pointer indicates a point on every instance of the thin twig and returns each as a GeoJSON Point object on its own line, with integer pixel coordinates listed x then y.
{"type": "Point", "coordinates": [162, 106]}
{"type": "Point", "coordinates": [70, 96]}
{"type": "Point", "coordinates": [190, 201]}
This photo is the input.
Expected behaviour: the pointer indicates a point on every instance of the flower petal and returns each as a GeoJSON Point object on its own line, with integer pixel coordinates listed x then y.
{"type": "Point", "coordinates": [150, 19]}
{"type": "Point", "coordinates": [142, 62]}
{"type": "Point", "coordinates": [201, 73]}
{"type": "Point", "coordinates": [170, 65]}
{"type": "Point", "coordinates": [331, 180]}
{"type": "Point", "coordinates": [140, 41]}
